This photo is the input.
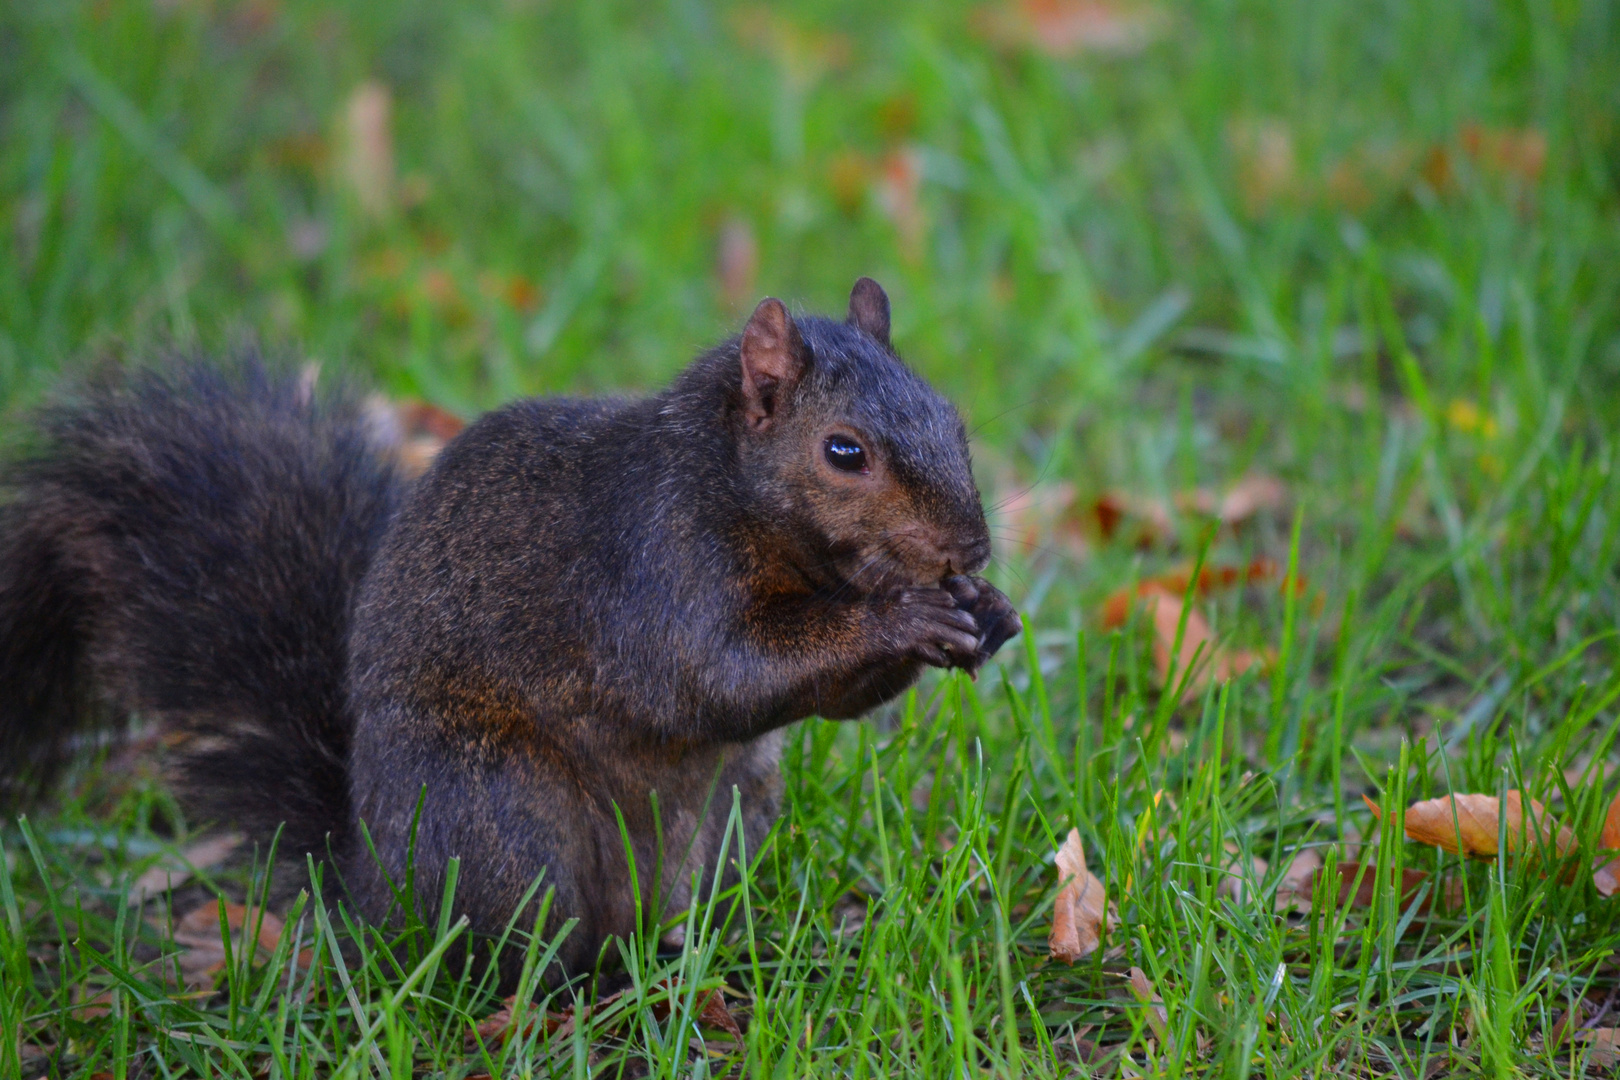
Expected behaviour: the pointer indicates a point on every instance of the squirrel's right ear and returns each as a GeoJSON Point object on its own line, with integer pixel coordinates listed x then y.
{"type": "Point", "coordinates": [773, 360]}
{"type": "Point", "coordinates": [869, 310]}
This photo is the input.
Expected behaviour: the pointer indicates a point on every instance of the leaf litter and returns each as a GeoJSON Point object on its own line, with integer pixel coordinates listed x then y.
{"type": "Point", "coordinates": [1082, 911]}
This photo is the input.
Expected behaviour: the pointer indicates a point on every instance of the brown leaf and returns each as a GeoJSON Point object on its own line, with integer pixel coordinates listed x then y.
{"type": "Point", "coordinates": [1152, 517]}
{"type": "Point", "coordinates": [1165, 608]}
{"type": "Point", "coordinates": [712, 1012]}
{"type": "Point", "coordinates": [1474, 829]}
{"type": "Point", "coordinates": [171, 871]}
{"type": "Point", "coordinates": [89, 1006]}
{"type": "Point", "coordinates": [368, 143]}
{"type": "Point", "coordinates": [1298, 881]}
{"type": "Point", "coordinates": [1065, 28]}
{"type": "Point", "coordinates": [1517, 153]}
{"type": "Point", "coordinates": [1081, 908]}
{"type": "Point", "coordinates": [1609, 838]}
{"type": "Point", "coordinates": [202, 953]}
{"type": "Point", "coordinates": [1250, 495]}
{"type": "Point", "coordinates": [1157, 1017]}
{"type": "Point", "coordinates": [1117, 607]}
{"type": "Point", "coordinates": [514, 290]}
{"type": "Point", "coordinates": [1568, 1023]}
{"type": "Point", "coordinates": [499, 1025]}
{"type": "Point", "coordinates": [1411, 881]}
{"type": "Point", "coordinates": [1603, 1046]}
{"type": "Point", "coordinates": [1607, 876]}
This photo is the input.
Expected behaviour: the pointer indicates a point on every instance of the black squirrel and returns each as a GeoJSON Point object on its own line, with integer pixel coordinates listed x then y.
{"type": "Point", "coordinates": [580, 603]}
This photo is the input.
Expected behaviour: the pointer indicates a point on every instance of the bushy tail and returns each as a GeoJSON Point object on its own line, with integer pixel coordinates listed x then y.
{"type": "Point", "coordinates": [184, 542]}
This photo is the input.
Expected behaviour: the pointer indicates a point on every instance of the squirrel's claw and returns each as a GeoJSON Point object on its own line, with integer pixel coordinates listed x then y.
{"type": "Point", "coordinates": [994, 614]}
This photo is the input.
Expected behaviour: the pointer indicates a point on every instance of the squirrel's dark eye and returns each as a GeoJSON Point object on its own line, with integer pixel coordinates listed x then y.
{"type": "Point", "coordinates": [845, 454]}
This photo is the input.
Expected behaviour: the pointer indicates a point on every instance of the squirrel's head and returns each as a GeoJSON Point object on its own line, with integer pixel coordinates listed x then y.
{"type": "Point", "coordinates": [863, 464]}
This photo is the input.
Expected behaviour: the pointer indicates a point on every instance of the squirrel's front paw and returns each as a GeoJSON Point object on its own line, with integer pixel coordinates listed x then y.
{"type": "Point", "coordinates": [994, 617]}
{"type": "Point", "coordinates": [928, 625]}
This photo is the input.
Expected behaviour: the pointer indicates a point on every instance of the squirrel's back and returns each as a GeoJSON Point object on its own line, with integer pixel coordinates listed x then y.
{"type": "Point", "coordinates": [183, 542]}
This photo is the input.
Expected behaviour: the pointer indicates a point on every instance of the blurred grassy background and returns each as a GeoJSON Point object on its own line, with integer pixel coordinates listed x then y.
{"type": "Point", "coordinates": [485, 199]}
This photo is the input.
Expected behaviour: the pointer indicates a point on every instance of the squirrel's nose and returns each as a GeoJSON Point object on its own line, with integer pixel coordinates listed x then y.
{"type": "Point", "coordinates": [971, 557]}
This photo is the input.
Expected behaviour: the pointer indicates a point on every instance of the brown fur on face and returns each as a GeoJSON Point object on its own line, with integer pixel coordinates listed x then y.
{"type": "Point", "coordinates": [913, 515]}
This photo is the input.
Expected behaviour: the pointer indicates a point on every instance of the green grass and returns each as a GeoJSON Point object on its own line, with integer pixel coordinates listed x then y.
{"type": "Point", "coordinates": [1308, 239]}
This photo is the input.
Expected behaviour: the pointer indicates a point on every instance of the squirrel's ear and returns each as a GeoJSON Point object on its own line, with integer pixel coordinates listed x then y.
{"type": "Point", "coordinates": [869, 310]}
{"type": "Point", "coordinates": [772, 361]}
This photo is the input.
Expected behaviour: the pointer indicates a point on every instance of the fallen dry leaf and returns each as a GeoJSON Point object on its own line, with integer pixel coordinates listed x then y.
{"type": "Point", "coordinates": [1250, 495]}
{"type": "Point", "coordinates": [500, 1026]}
{"type": "Point", "coordinates": [1474, 829]}
{"type": "Point", "coordinates": [1034, 516]}
{"type": "Point", "coordinates": [1151, 517]}
{"type": "Point", "coordinates": [89, 1006]}
{"type": "Point", "coordinates": [1082, 906]}
{"type": "Point", "coordinates": [1198, 652]}
{"type": "Point", "coordinates": [1155, 518]}
{"type": "Point", "coordinates": [202, 953]}
{"type": "Point", "coordinates": [1607, 876]}
{"type": "Point", "coordinates": [1298, 881]}
{"type": "Point", "coordinates": [714, 1013]}
{"type": "Point", "coordinates": [1568, 1023]}
{"type": "Point", "coordinates": [1065, 28]}
{"type": "Point", "coordinates": [1518, 153]}
{"type": "Point", "coordinates": [1411, 882]}
{"type": "Point", "coordinates": [1602, 1046]}
{"type": "Point", "coordinates": [173, 870]}
{"type": "Point", "coordinates": [1116, 608]}
{"type": "Point", "coordinates": [1158, 1017]}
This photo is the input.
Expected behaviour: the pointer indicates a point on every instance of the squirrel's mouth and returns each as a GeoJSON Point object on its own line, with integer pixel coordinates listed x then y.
{"type": "Point", "coordinates": [888, 566]}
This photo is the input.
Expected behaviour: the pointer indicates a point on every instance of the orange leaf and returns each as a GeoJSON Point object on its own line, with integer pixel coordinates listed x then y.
{"type": "Point", "coordinates": [1081, 908]}
{"type": "Point", "coordinates": [1607, 876]}
{"type": "Point", "coordinates": [1609, 839]}
{"type": "Point", "coordinates": [1469, 825]}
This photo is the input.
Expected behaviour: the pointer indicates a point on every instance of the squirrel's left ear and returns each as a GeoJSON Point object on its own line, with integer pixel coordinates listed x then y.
{"type": "Point", "coordinates": [773, 360]}
{"type": "Point", "coordinates": [869, 310]}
